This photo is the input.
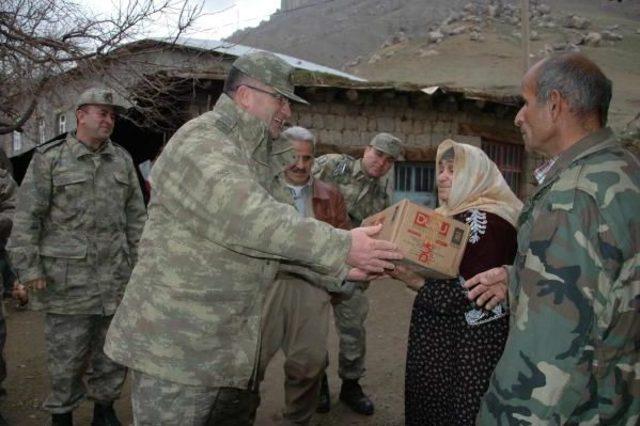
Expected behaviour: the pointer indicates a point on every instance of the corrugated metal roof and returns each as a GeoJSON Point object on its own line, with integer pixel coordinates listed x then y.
{"type": "Point", "coordinates": [234, 49]}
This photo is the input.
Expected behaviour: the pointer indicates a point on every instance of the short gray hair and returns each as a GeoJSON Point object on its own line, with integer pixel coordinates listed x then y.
{"type": "Point", "coordinates": [580, 82]}
{"type": "Point", "coordinates": [297, 133]}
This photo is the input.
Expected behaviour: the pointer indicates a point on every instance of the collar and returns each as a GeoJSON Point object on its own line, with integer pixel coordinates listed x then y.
{"type": "Point", "coordinates": [590, 143]}
{"type": "Point", "coordinates": [79, 149]}
{"type": "Point", "coordinates": [251, 131]}
{"type": "Point", "coordinates": [358, 171]}
{"type": "Point", "coordinates": [540, 173]}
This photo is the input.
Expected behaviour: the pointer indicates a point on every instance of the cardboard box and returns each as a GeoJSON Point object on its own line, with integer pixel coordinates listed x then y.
{"type": "Point", "coordinates": [433, 244]}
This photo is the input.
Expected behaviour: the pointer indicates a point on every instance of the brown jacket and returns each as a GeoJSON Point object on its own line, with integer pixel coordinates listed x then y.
{"type": "Point", "coordinates": [329, 205]}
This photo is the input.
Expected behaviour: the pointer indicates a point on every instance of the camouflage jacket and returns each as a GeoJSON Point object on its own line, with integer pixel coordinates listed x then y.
{"type": "Point", "coordinates": [213, 243]}
{"type": "Point", "coordinates": [364, 195]}
{"type": "Point", "coordinates": [7, 205]}
{"type": "Point", "coordinates": [78, 219]}
{"type": "Point", "coordinates": [572, 356]}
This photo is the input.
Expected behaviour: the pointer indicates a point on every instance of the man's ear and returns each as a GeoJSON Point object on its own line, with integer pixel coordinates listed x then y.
{"type": "Point", "coordinates": [556, 104]}
{"type": "Point", "coordinates": [241, 96]}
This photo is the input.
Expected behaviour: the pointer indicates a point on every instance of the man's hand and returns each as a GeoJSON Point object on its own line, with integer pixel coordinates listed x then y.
{"type": "Point", "coordinates": [357, 274]}
{"type": "Point", "coordinates": [19, 293]}
{"type": "Point", "coordinates": [369, 254]}
{"type": "Point", "coordinates": [37, 284]}
{"type": "Point", "coordinates": [488, 288]}
{"type": "Point", "coordinates": [410, 278]}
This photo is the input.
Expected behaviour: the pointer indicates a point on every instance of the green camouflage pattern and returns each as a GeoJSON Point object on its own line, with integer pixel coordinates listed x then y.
{"type": "Point", "coordinates": [211, 246]}
{"type": "Point", "coordinates": [350, 314]}
{"type": "Point", "coordinates": [388, 144]}
{"type": "Point", "coordinates": [78, 367]}
{"type": "Point", "coordinates": [162, 402]}
{"type": "Point", "coordinates": [7, 206]}
{"type": "Point", "coordinates": [363, 195]}
{"type": "Point", "coordinates": [269, 69]}
{"type": "Point", "coordinates": [572, 356]}
{"type": "Point", "coordinates": [79, 216]}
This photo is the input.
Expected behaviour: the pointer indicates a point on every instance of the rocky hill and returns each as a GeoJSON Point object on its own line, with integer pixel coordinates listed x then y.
{"type": "Point", "coordinates": [474, 44]}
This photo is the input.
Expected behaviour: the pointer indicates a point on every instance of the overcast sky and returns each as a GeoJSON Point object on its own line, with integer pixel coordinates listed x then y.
{"type": "Point", "coordinates": [220, 17]}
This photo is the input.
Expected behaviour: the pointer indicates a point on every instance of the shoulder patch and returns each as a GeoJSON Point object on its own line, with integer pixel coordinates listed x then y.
{"type": "Point", "coordinates": [122, 149]}
{"type": "Point", "coordinates": [343, 166]}
{"type": "Point", "coordinates": [225, 123]}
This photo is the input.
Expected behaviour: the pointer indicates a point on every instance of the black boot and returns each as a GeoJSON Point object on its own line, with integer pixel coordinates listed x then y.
{"type": "Point", "coordinates": [352, 395]}
{"type": "Point", "coordinates": [104, 415]}
{"type": "Point", "coordinates": [324, 399]}
{"type": "Point", "coordinates": [3, 422]}
{"type": "Point", "coordinates": [64, 419]}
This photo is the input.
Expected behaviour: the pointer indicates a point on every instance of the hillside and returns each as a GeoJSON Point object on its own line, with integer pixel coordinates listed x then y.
{"type": "Point", "coordinates": [472, 44]}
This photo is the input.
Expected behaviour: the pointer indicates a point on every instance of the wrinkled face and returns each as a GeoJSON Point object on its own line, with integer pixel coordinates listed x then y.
{"type": "Point", "coordinates": [445, 179]}
{"type": "Point", "coordinates": [534, 119]}
{"type": "Point", "coordinates": [375, 162]}
{"type": "Point", "coordinates": [269, 106]}
{"type": "Point", "coordinates": [95, 122]}
{"type": "Point", "coordinates": [298, 172]}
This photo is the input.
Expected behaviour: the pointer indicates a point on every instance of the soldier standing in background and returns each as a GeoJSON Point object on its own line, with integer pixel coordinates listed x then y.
{"type": "Point", "coordinates": [574, 289]}
{"type": "Point", "coordinates": [7, 207]}
{"type": "Point", "coordinates": [361, 183]}
{"type": "Point", "coordinates": [78, 219]}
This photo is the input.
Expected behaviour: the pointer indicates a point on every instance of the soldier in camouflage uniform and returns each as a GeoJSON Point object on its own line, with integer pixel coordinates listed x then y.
{"type": "Point", "coordinates": [7, 207]}
{"type": "Point", "coordinates": [363, 184]}
{"type": "Point", "coordinates": [572, 354]}
{"type": "Point", "coordinates": [189, 323]}
{"type": "Point", "coordinates": [78, 219]}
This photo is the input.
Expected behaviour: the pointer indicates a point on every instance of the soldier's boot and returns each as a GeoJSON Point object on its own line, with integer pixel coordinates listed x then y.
{"type": "Point", "coordinates": [3, 422]}
{"type": "Point", "coordinates": [104, 415]}
{"type": "Point", "coordinates": [324, 399]}
{"type": "Point", "coordinates": [351, 394]}
{"type": "Point", "coordinates": [62, 419]}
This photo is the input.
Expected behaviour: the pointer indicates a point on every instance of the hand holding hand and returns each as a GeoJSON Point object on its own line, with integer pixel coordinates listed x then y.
{"type": "Point", "coordinates": [488, 288]}
{"type": "Point", "coordinates": [357, 274]}
{"type": "Point", "coordinates": [410, 278]}
{"type": "Point", "coordinates": [371, 255]}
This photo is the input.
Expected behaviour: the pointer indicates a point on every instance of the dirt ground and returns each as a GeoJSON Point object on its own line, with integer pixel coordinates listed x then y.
{"type": "Point", "coordinates": [390, 307]}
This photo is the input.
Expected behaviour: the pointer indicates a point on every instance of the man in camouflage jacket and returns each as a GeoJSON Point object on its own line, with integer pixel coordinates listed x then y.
{"type": "Point", "coordinates": [189, 324]}
{"type": "Point", "coordinates": [363, 184]}
{"type": "Point", "coordinates": [572, 356]}
{"type": "Point", "coordinates": [7, 206]}
{"type": "Point", "coordinates": [78, 219]}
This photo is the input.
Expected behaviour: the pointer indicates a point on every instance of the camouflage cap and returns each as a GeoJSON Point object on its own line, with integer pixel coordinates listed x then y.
{"type": "Point", "coordinates": [388, 144]}
{"type": "Point", "coordinates": [98, 96]}
{"type": "Point", "coordinates": [269, 69]}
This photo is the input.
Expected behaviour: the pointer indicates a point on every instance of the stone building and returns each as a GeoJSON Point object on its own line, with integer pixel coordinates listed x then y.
{"type": "Point", "coordinates": [345, 112]}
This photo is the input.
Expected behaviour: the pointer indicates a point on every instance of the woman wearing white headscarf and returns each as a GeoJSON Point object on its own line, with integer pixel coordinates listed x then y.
{"type": "Point", "coordinates": [453, 344]}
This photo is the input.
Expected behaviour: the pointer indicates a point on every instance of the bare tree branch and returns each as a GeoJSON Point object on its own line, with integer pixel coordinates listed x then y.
{"type": "Point", "coordinates": [42, 40]}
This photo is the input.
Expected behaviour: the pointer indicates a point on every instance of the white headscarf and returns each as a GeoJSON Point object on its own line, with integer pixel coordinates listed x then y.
{"type": "Point", "coordinates": [477, 184]}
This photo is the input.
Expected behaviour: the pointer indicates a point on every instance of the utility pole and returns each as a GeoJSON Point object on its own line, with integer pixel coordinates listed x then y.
{"type": "Point", "coordinates": [525, 34]}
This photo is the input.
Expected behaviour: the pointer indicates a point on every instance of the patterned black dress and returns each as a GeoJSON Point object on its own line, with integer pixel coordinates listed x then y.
{"type": "Point", "coordinates": [449, 361]}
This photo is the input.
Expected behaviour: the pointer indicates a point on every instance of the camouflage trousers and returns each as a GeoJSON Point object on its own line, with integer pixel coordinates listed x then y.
{"type": "Point", "coordinates": [296, 320]}
{"type": "Point", "coordinates": [157, 402]}
{"type": "Point", "coordinates": [3, 339]}
{"type": "Point", "coordinates": [77, 364]}
{"type": "Point", "coordinates": [350, 315]}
